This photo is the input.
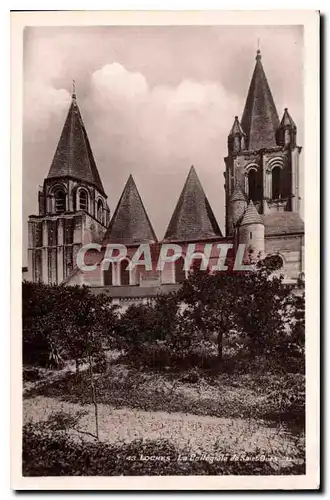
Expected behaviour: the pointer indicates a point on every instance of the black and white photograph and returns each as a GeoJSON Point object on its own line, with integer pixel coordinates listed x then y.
{"type": "Point", "coordinates": [163, 267]}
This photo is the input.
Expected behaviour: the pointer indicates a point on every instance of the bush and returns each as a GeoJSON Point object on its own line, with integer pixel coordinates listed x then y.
{"type": "Point", "coordinates": [57, 454]}
{"type": "Point", "coordinates": [64, 322]}
{"type": "Point", "coordinates": [31, 374]}
{"type": "Point", "coordinates": [287, 400]}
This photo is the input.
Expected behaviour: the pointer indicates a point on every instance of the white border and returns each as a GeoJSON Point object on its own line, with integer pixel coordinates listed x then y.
{"type": "Point", "coordinates": [310, 20]}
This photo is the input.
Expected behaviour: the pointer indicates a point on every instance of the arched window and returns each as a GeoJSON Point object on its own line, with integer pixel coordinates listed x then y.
{"type": "Point", "coordinates": [276, 183]}
{"type": "Point", "coordinates": [253, 184]}
{"type": "Point", "coordinates": [60, 200]}
{"type": "Point", "coordinates": [124, 273]}
{"type": "Point", "coordinates": [83, 200]}
{"type": "Point", "coordinates": [100, 211]}
{"type": "Point", "coordinates": [107, 275]}
{"type": "Point", "coordinates": [179, 270]}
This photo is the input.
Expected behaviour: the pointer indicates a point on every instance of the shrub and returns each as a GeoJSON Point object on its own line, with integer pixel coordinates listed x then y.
{"type": "Point", "coordinates": [64, 322]}
{"type": "Point", "coordinates": [58, 454]}
{"type": "Point", "coordinates": [31, 374]}
{"type": "Point", "coordinates": [286, 399]}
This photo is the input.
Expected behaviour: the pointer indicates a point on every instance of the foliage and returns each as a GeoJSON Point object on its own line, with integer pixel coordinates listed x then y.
{"type": "Point", "coordinates": [58, 454]}
{"type": "Point", "coordinates": [253, 312]}
{"type": "Point", "coordinates": [234, 395]}
{"type": "Point", "coordinates": [256, 305]}
{"type": "Point", "coordinates": [62, 322]}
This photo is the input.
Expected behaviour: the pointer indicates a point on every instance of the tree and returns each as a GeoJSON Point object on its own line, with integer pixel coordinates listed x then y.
{"type": "Point", "coordinates": [210, 302]}
{"type": "Point", "coordinates": [255, 303]}
{"type": "Point", "coordinates": [69, 320]}
{"type": "Point", "coordinates": [263, 307]}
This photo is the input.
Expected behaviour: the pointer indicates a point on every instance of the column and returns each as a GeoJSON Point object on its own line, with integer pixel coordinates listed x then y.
{"type": "Point", "coordinates": [60, 273]}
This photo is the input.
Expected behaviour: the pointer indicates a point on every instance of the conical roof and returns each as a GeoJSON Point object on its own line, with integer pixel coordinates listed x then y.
{"type": "Point", "coordinates": [251, 215]}
{"type": "Point", "coordinates": [130, 223]}
{"type": "Point", "coordinates": [237, 194]}
{"type": "Point", "coordinates": [73, 156]}
{"type": "Point", "coordinates": [287, 121]}
{"type": "Point", "coordinates": [260, 119]}
{"type": "Point", "coordinates": [236, 129]}
{"type": "Point", "coordinates": [192, 218]}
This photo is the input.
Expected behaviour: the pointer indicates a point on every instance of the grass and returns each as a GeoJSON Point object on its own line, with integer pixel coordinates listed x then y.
{"type": "Point", "coordinates": [58, 454]}
{"type": "Point", "coordinates": [229, 396]}
{"type": "Point", "coordinates": [234, 414]}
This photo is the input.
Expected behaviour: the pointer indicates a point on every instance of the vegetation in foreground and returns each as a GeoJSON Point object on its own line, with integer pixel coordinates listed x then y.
{"type": "Point", "coordinates": [53, 452]}
{"type": "Point", "coordinates": [229, 345]}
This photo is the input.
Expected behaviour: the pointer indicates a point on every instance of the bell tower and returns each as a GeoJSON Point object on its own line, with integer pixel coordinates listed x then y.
{"type": "Point", "coordinates": [73, 207]}
{"type": "Point", "coordinates": [263, 157]}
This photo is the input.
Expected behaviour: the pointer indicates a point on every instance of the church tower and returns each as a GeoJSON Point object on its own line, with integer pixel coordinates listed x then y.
{"type": "Point", "coordinates": [262, 180]}
{"type": "Point", "coordinates": [73, 206]}
{"type": "Point", "coordinates": [263, 157]}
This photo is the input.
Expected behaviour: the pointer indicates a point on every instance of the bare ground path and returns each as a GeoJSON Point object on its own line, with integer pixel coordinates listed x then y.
{"type": "Point", "coordinates": [202, 434]}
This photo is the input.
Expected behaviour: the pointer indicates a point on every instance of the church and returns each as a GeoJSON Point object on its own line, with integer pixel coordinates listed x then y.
{"type": "Point", "coordinates": [262, 207]}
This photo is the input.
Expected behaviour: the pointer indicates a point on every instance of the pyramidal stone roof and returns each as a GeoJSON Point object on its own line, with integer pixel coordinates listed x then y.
{"type": "Point", "coordinates": [130, 223]}
{"type": "Point", "coordinates": [236, 129]}
{"type": "Point", "coordinates": [237, 194]}
{"type": "Point", "coordinates": [287, 121]}
{"type": "Point", "coordinates": [192, 218]}
{"type": "Point", "coordinates": [260, 119]}
{"type": "Point", "coordinates": [73, 156]}
{"type": "Point", "coordinates": [251, 215]}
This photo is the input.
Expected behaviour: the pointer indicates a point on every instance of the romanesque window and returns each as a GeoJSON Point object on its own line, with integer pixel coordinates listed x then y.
{"type": "Point", "coordinates": [38, 234]}
{"type": "Point", "coordinates": [107, 275]}
{"type": "Point", "coordinates": [253, 184]}
{"type": "Point", "coordinates": [52, 233]}
{"type": "Point", "coordinates": [68, 258]}
{"type": "Point", "coordinates": [100, 211]}
{"type": "Point", "coordinates": [68, 231]}
{"type": "Point", "coordinates": [124, 273]}
{"type": "Point", "coordinates": [37, 268]}
{"type": "Point", "coordinates": [83, 200]}
{"type": "Point", "coordinates": [276, 183]}
{"type": "Point", "coordinates": [60, 201]}
{"type": "Point", "coordinates": [52, 266]}
{"type": "Point", "coordinates": [179, 270]}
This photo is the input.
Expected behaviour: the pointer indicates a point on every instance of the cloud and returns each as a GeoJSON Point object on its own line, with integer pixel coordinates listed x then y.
{"type": "Point", "coordinates": [156, 133]}
{"type": "Point", "coordinates": [154, 100]}
{"type": "Point", "coordinates": [114, 81]}
{"type": "Point", "coordinates": [42, 105]}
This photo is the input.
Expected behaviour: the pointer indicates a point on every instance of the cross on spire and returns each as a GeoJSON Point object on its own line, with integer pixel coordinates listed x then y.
{"type": "Point", "coordinates": [258, 50]}
{"type": "Point", "coordinates": [73, 89]}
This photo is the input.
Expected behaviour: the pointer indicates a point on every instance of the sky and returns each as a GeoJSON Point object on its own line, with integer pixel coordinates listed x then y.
{"type": "Point", "coordinates": [154, 101]}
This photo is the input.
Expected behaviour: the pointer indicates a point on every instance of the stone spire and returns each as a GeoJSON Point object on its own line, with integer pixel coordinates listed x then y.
{"type": "Point", "coordinates": [287, 121]}
{"type": "Point", "coordinates": [287, 131]}
{"type": "Point", "coordinates": [237, 194]}
{"type": "Point", "coordinates": [260, 119]}
{"type": "Point", "coordinates": [192, 218]}
{"type": "Point", "coordinates": [236, 129]}
{"type": "Point", "coordinates": [130, 224]}
{"type": "Point", "coordinates": [73, 156]}
{"type": "Point", "coordinates": [236, 137]}
{"type": "Point", "coordinates": [251, 215]}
